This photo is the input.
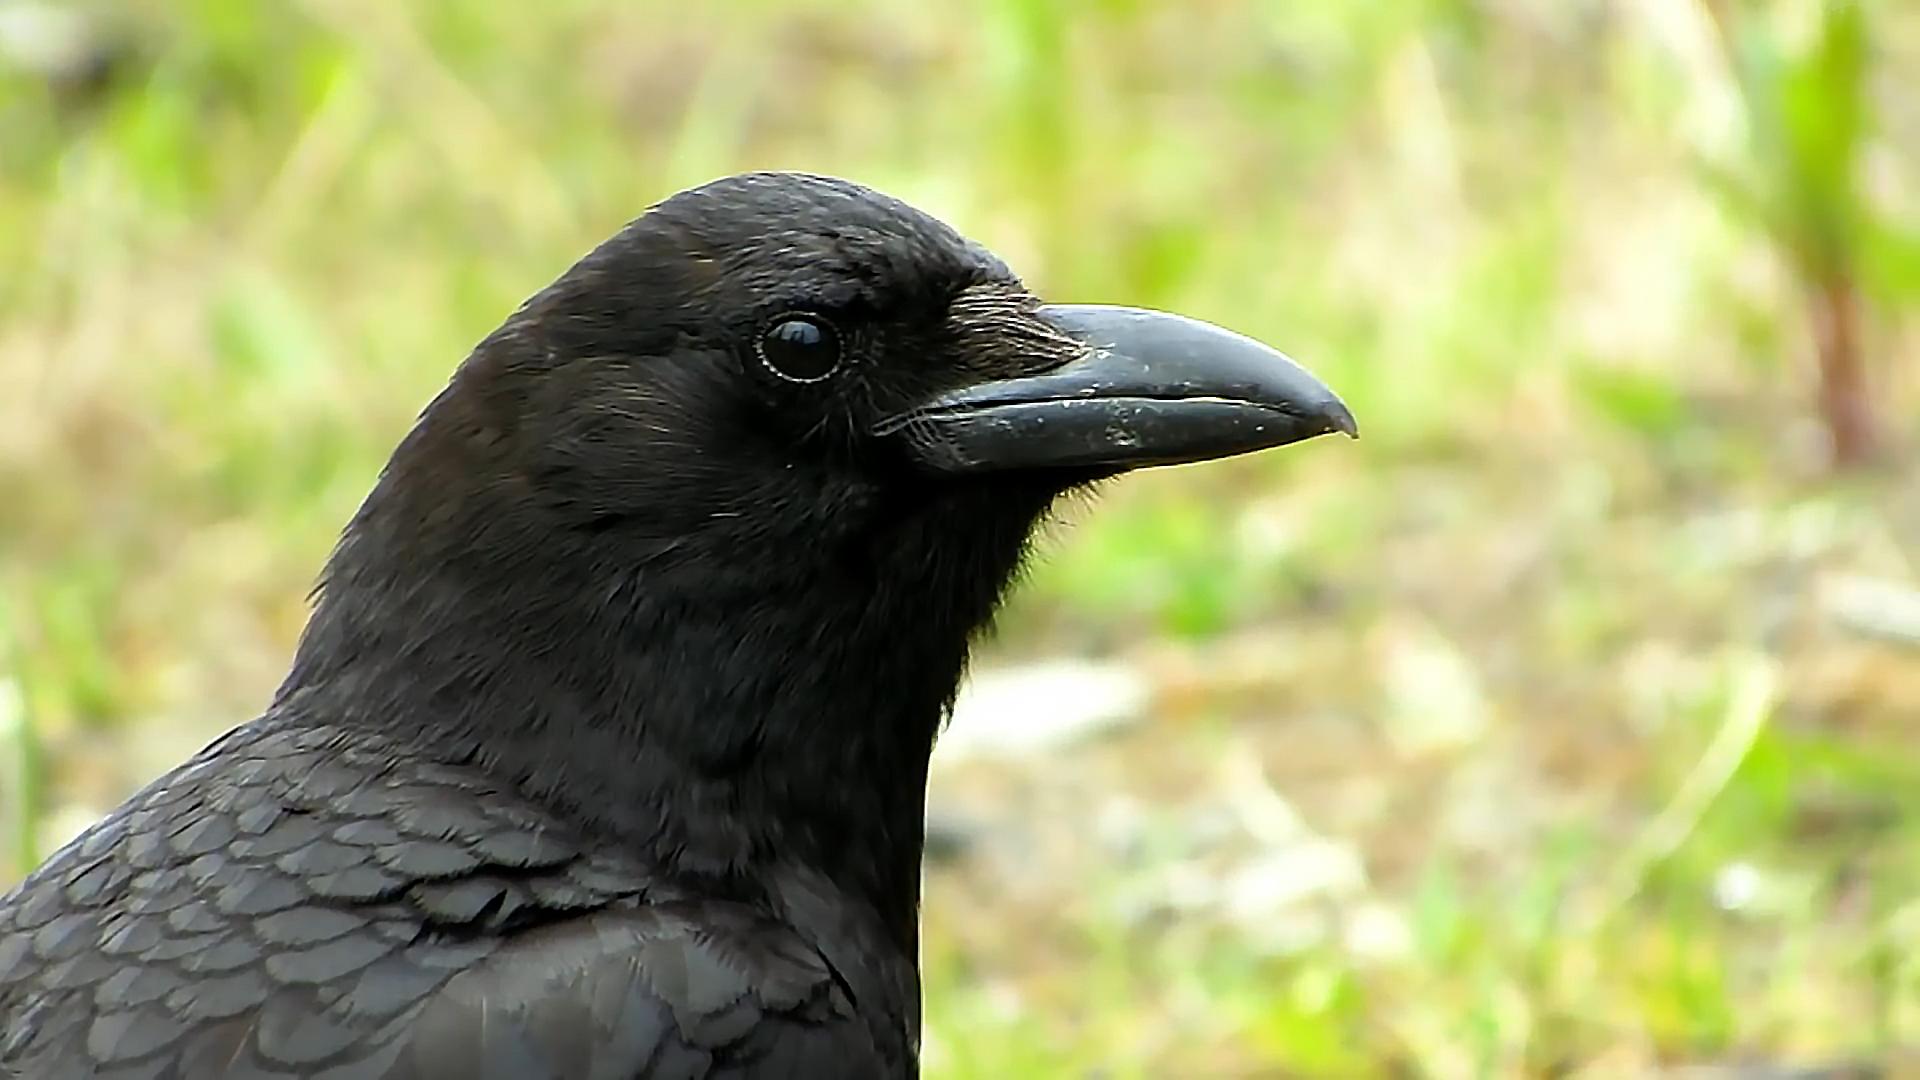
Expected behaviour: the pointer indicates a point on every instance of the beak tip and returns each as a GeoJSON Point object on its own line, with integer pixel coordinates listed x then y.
{"type": "Point", "coordinates": [1340, 418]}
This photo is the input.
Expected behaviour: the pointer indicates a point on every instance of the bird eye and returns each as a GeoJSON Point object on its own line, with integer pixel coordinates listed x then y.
{"type": "Point", "coordinates": [801, 348]}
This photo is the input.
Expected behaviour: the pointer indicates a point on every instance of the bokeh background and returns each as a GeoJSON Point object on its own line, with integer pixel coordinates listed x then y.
{"type": "Point", "coordinates": [1566, 724]}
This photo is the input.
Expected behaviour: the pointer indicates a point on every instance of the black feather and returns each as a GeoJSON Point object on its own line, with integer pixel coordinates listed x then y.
{"type": "Point", "coordinates": [604, 752]}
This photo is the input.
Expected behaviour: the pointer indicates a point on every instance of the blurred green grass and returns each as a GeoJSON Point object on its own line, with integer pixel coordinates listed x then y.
{"type": "Point", "coordinates": [1677, 815]}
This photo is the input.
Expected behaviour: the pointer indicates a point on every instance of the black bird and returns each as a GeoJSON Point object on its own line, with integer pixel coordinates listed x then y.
{"type": "Point", "coordinates": [604, 752]}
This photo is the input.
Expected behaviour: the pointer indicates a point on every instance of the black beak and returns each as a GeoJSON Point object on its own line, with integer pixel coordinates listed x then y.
{"type": "Point", "coordinates": [1150, 389]}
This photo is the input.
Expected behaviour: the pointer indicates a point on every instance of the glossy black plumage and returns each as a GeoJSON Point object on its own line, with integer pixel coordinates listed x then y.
{"type": "Point", "coordinates": [604, 752]}
{"type": "Point", "coordinates": [300, 902]}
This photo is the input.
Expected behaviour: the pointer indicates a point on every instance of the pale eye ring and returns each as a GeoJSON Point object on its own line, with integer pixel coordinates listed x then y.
{"type": "Point", "coordinates": [800, 347]}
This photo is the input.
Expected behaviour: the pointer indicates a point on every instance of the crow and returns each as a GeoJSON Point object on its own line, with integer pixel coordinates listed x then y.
{"type": "Point", "coordinates": [604, 751]}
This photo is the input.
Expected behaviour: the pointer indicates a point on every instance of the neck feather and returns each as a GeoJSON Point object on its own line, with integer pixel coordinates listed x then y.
{"type": "Point", "coordinates": [727, 700]}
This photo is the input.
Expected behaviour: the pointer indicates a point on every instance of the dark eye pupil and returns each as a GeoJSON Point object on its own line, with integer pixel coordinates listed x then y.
{"type": "Point", "coordinates": [801, 349]}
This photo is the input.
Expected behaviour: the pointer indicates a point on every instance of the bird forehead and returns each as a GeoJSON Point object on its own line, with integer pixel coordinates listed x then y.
{"type": "Point", "coordinates": [766, 228]}
{"type": "Point", "coordinates": [856, 258]}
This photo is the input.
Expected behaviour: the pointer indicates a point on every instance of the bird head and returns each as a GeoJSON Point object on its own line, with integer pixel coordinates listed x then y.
{"type": "Point", "coordinates": [774, 334]}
